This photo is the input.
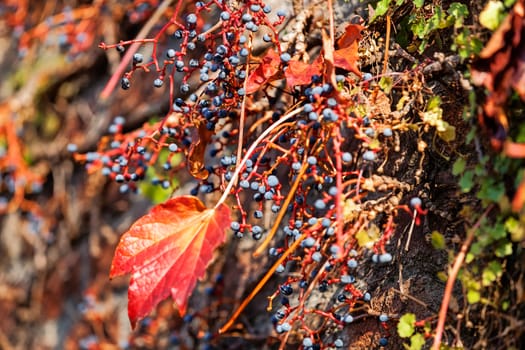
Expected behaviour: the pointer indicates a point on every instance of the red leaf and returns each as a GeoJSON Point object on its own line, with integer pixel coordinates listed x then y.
{"type": "Point", "coordinates": [167, 250]}
{"type": "Point", "coordinates": [347, 55]}
{"type": "Point", "coordinates": [300, 73]}
{"type": "Point", "coordinates": [266, 71]}
{"type": "Point", "coordinates": [351, 35]}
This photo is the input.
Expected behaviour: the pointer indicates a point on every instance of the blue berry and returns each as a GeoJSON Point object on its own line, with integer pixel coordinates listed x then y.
{"type": "Point", "coordinates": [346, 157]}
{"type": "Point", "coordinates": [352, 263]}
{"type": "Point", "coordinates": [332, 102]}
{"type": "Point", "coordinates": [191, 18]}
{"type": "Point", "coordinates": [258, 214]}
{"type": "Point", "coordinates": [286, 289]}
{"type": "Point", "coordinates": [338, 343]}
{"type": "Point", "coordinates": [281, 13]}
{"type": "Point", "coordinates": [383, 342]}
{"type": "Point", "coordinates": [312, 160]}
{"type": "Point", "coordinates": [125, 83]}
{"type": "Point", "coordinates": [246, 17]}
{"type": "Point", "coordinates": [272, 181]}
{"type": "Point", "coordinates": [415, 202]}
{"type": "Point", "coordinates": [312, 221]}
{"type": "Point", "coordinates": [317, 257]}
{"type": "Point", "coordinates": [138, 58]}
{"type": "Point", "coordinates": [255, 8]}
{"type": "Point", "coordinates": [383, 318]}
{"type": "Point", "coordinates": [285, 57]}
{"type": "Point", "coordinates": [308, 242]}
{"type": "Point", "coordinates": [387, 132]}
{"type": "Point", "coordinates": [225, 15]}
{"type": "Point", "coordinates": [267, 38]}
{"type": "Point", "coordinates": [369, 156]}
{"type": "Point", "coordinates": [347, 279]}
{"type": "Point", "coordinates": [235, 226]}
{"type": "Point", "coordinates": [307, 342]}
{"type": "Point", "coordinates": [171, 53]}
{"type": "Point", "coordinates": [320, 204]}
{"type": "Point", "coordinates": [275, 208]}
{"type": "Point", "coordinates": [158, 83]}
{"type": "Point", "coordinates": [71, 147]}
{"type": "Point", "coordinates": [267, 9]}
{"type": "Point", "coordinates": [348, 319]}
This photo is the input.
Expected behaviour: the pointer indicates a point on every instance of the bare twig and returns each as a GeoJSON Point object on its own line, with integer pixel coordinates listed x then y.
{"type": "Point", "coordinates": [452, 279]}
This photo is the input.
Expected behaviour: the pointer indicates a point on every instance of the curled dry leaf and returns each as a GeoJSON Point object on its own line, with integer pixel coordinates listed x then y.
{"type": "Point", "coordinates": [267, 71]}
{"type": "Point", "coordinates": [167, 250]}
{"type": "Point", "coordinates": [201, 137]}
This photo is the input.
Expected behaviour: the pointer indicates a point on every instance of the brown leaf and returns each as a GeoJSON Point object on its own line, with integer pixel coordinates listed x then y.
{"type": "Point", "coordinates": [501, 68]}
{"type": "Point", "coordinates": [201, 137]}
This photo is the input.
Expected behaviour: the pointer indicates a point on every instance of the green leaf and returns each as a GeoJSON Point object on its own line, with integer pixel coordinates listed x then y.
{"type": "Point", "coordinates": [419, 3]}
{"type": "Point", "coordinates": [491, 273]}
{"type": "Point", "coordinates": [386, 84]}
{"type": "Point", "coordinates": [503, 249]}
{"type": "Point", "coordinates": [437, 240]}
{"type": "Point", "coordinates": [417, 341]}
{"type": "Point", "coordinates": [516, 230]}
{"type": "Point", "coordinates": [405, 327]}
{"type": "Point", "coordinates": [492, 15]}
{"type": "Point", "coordinates": [381, 8]}
{"type": "Point", "coordinates": [459, 12]}
{"type": "Point", "coordinates": [473, 296]}
{"type": "Point", "coordinates": [459, 166]}
{"type": "Point", "coordinates": [467, 181]}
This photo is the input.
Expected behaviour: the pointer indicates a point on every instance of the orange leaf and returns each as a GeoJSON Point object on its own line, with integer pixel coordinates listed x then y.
{"type": "Point", "coordinates": [351, 35]}
{"type": "Point", "coordinates": [346, 56]}
{"type": "Point", "coordinates": [266, 71]}
{"type": "Point", "coordinates": [300, 73]}
{"type": "Point", "coordinates": [167, 250]}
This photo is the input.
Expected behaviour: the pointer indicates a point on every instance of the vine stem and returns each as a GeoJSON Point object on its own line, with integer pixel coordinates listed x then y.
{"type": "Point", "coordinates": [250, 150]}
{"type": "Point", "coordinates": [452, 279]}
{"type": "Point", "coordinates": [154, 19]}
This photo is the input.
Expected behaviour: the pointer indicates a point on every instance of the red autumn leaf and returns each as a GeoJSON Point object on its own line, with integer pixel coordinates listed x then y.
{"type": "Point", "coordinates": [351, 35]}
{"type": "Point", "coordinates": [167, 250]}
{"type": "Point", "coordinates": [300, 73]}
{"type": "Point", "coordinates": [346, 56]}
{"type": "Point", "coordinates": [267, 71]}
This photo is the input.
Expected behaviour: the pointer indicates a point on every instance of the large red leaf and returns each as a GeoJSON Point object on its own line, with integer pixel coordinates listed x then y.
{"type": "Point", "coordinates": [167, 250]}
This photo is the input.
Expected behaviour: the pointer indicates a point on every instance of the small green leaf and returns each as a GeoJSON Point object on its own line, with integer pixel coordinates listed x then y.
{"type": "Point", "coordinates": [419, 3]}
{"type": "Point", "coordinates": [473, 296]}
{"type": "Point", "coordinates": [467, 181]}
{"type": "Point", "coordinates": [386, 84]}
{"type": "Point", "coordinates": [405, 327]}
{"type": "Point", "coordinates": [459, 166]}
{"type": "Point", "coordinates": [491, 273]}
{"type": "Point", "coordinates": [516, 230]}
{"type": "Point", "coordinates": [381, 8]}
{"type": "Point", "coordinates": [492, 15]}
{"type": "Point", "coordinates": [417, 341]}
{"type": "Point", "coordinates": [459, 12]}
{"type": "Point", "coordinates": [437, 240]}
{"type": "Point", "coordinates": [503, 249]}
